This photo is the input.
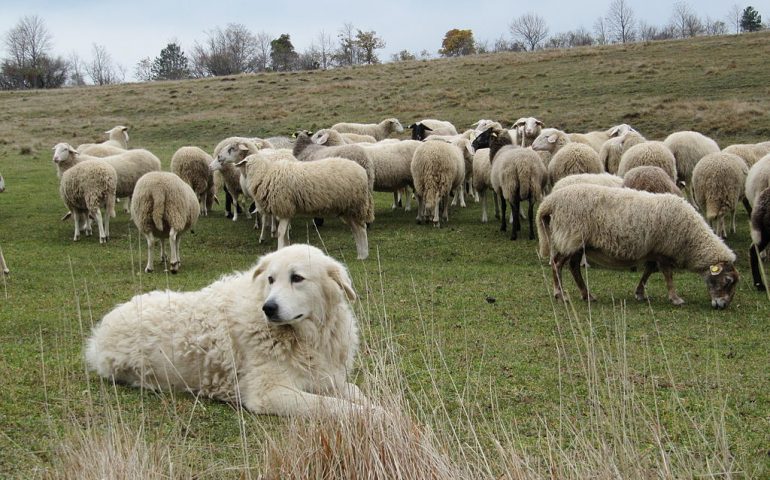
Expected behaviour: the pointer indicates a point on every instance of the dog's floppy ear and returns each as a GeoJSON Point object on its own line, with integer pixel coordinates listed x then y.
{"type": "Point", "coordinates": [341, 278]}
{"type": "Point", "coordinates": [261, 266]}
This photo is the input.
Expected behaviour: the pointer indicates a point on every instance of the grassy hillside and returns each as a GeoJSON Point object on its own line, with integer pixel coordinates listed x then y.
{"type": "Point", "coordinates": [468, 311]}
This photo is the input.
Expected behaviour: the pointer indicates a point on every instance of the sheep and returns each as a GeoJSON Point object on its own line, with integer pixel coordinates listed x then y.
{"type": "Point", "coordinates": [231, 177]}
{"type": "Point", "coordinates": [227, 153]}
{"type": "Point", "coordinates": [718, 185]}
{"type": "Point", "coordinates": [164, 206]}
{"type": "Point", "coordinates": [192, 166]}
{"type": "Point", "coordinates": [527, 130]}
{"type": "Point", "coordinates": [393, 167]}
{"type": "Point", "coordinates": [379, 131]}
{"type": "Point", "coordinates": [129, 165]}
{"type": "Point", "coordinates": [758, 179]}
{"type": "Point", "coordinates": [88, 190]}
{"type": "Point", "coordinates": [621, 227]}
{"type": "Point", "coordinates": [749, 152]}
{"type": "Point", "coordinates": [118, 137]}
{"type": "Point", "coordinates": [688, 148]}
{"type": "Point", "coordinates": [517, 174]}
{"type": "Point", "coordinates": [760, 236]}
{"type": "Point", "coordinates": [438, 168]}
{"type": "Point", "coordinates": [648, 153]}
{"type": "Point", "coordinates": [333, 138]}
{"type": "Point", "coordinates": [330, 186]}
{"type": "Point", "coordinates": [615, 147]}
{"type": "Point", "coordinates": [604, 179]}
{"type": "Point", "coordinates": [101, 150]}
{"type": "Point", "coordinates": [571, 159]}
{"type": "Point", "coordinates": [468, 135]}
{"type": "Point", "coordinates": [597, 138]}
{"type": "Point", "coordinates": [482, 181]}
{"type": "Point", "coordinates": [427, 127]}
{"type": "Point", "coordinates": [650, 179]}
{"type": "Point", "coordinates": [305, 150]}
{"type": "Point", "coordinates": [550, 140]}
{"type": "Point", "coordinates": [279, 142]}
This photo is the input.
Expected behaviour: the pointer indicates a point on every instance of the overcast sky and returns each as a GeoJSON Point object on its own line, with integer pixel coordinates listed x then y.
{"type": "Point", "coordinates": [133, 29]}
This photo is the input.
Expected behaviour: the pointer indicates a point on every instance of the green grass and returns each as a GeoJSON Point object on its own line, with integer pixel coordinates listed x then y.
{"type": "Point", "coordinates": [434, 286]}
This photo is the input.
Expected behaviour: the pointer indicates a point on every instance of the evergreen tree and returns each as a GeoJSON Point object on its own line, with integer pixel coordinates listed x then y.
{"type": "Point", "coordinates": [751, 20]}
{"type": "Point", "coordinates": [282, 54]}
{"type": "Point", "coordinates": [171, 64]}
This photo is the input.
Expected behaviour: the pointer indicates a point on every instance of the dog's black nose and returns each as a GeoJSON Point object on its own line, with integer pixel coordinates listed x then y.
{"type": "Point", "coordinates": [270, 309]}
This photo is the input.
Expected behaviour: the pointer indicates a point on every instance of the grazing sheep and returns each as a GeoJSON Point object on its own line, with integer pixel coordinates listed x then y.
{"type": "Point", "coordinates": [164, 206]}
{"type": "Point", "coordinates": [572, 159]}
{"type": "Point", "coordinates": [129, 166]}
{"type": "Point", "coordinates": [393, 167]}
{"type": "Point", "coordinates": [438, 168]}
{"type": "Point", "coordinates": [88, 190]}
{"type": "Point", "coordinates": [330, 186]}
{"type": "Point", "coordinates": [191, 164]}
{"type": "Point", "coordinates": [760, 235]}
{"type": "Point", "coordinates": [655, 154]}
{"type": "Point", "coordinates": [718, 181]}
{"type": "Point", "coordinates": [650, 179]}
{"type": "Point", "coordinates": [603, 179]}
{"type": "Point", "coordinates": [688, 148]}
{"type": "Point", "coordinates": [621, 227]}
{"type": "Point", "coordinates": [758, 179]}
{"type": "Point", "coordinates": [482, 181]}
{"type": "Point", "coordinates": [427, 127]}
{"type": "Point", "coordinates": [117, 137]}
{"type": "Point", "coordinates": [596, 139]}
{"type": "Point", "coordinates": [231, 177]}
{"type": "Point", "coordinates": [305, 150]}
{"type": "Point", "coordinates": [527, 130]}
{"type": "Point", "coordinates": [380, 131]}
{"type": "Point", "coordinates": [517, 174]}
{"type": "Point", "coordinates": [749, 152]}
{"type": "Point", "coordinates": [614, 148]}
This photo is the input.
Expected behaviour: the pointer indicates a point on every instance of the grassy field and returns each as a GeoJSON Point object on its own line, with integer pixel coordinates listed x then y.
{"type": "Point", "coordinates": [466, 315]}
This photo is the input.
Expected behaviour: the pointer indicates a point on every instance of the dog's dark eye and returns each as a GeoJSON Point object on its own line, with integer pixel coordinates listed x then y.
{"type": "Point", "coordinates": [296, 278]}
{"type": "Point", "coordinates": [270, 280]}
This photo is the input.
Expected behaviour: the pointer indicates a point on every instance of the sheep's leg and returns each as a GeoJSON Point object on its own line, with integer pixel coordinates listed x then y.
{"type": "Point", "coordinates": [408, 195]}
{"type": "Point", "coordinates": [668, 274]}
{"type": "Point", "coordinates": [747, 205]}
{"type": "Point", "coordinates": [574, 266]}
{"type": "Point", "coordinates": [359, 235]}
{"type": "Point", "coordinates": [173, 244]}
{"type": "Point", "coordinates": [128, 204]}
{"type": "Point", "coordinates": [283, 232]}
{"type": "Point", "coordinates": [228, 204]}
{"type": "Point", "coordinates": [273, 226]}
{"type": "Point", "coordinates": [150, 243]}
{"type": "Point", "coordinates": [484, 218]}
{"type": "Point", "coordinates": [445, 204]}
{"type": "Point", "coordinates": [756, 272]}
{"type": "Point", "coordinates": [106, 220]}
{"type": "Point", "coordinates": [557, 262]}
{"type": "Point", "coordinates": [437, 211]}
{"type": "Point", "coordinates": [396, 199]}
{"type": "Point", "coordinates": [3, 265]}
{"type": "Point", "coordinates": [497, 206]}
{"type": "Point", "coordinates": [531, 211]}
{"type": "Point", "coordinates": [515, 208]}
{"type": "Point", "coordinates": [420, 208]}
{"type": "Point", "coordinates": [163, 255]}
{"type": "Point", "coordinates": [76, 220]}
{"type": "Point", "coordinates": [503, 216]}
{"type": "Point", "coordinates": [649, 269]}
{"type": "Point", "coordinates": [462, 197]}
{"type": "Point", "coordinates": [100, 224]}
{"type": "Point", "coordinates": [264, 227]}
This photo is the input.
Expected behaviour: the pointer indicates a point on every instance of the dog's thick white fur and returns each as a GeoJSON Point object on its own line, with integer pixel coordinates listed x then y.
{"type": "Point", "coordinates": [279, 338]}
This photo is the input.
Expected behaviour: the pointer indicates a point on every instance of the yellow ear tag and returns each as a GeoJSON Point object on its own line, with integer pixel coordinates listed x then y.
{"type": "Point", "coordinates": [716, 269]}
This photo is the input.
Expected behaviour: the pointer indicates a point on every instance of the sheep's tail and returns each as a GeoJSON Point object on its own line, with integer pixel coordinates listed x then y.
{"type": "Point", "coordinates": [544, 230]}
{"type": "Point", "coordinates": [157, 208]}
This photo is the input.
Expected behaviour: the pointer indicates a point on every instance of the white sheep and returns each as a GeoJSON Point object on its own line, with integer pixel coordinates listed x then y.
{"type": "Point", "coordinates": [650, 179]}
{"type": "Point", "coordinates": [393, 167]}
{"type": "Point", "coordinates": [758, 179]}
{"type": "Point", "coordinates": [164, 206]}
{"type": "Point", "coordinates": [718, 182]}
{"type": "Point", "coordinates": [117, 137]}
{"type": "Point", "coordinates": [429, 126]}
{"type": "Point", "coordinates": [614, 148]}
{"type": "Point", "coordinates": [603, 179]}
{"type": "Point", "coordinates": [279, 142]}
{"type": "Point", "coordinates": [567, 157]}
{"type": "Point", "coordinates": [191, 164]}
{"type": "Point", "coordinates": [652, 153]}
{"type": "Point", "coordinates": [597, 138]}
{"type": "Point", "coordinates": [101, 150]}
{"type": "Point", "coordinates": [688, 148]}
{"type": "Point", "coordinates": [482, 181]}
{"type": "Point", "coordinates": [226, 154]}
{"type": "Point", "coordinates": [231, 177]}
{"type": "Point", "coordinates": [749, 152]}
{"type": "Point", "coordinates": [760, 236]}
{"type": "Point", "coordinates": [621, 227]}
{"type": "Point", "coordinates": [88, 190]}
{"type": "Point", "coordinates": [517, 174]}
{"type": "Point", "coordinates": [438, 168]}
{"type": "Point", "coordinates": [527, 130]}
{"type": "Point", "coordinates": [380, 131]}
{"type": "Point", "coordinates": [330, 186]}
{"type": "Point", "coordinates": [306, 150]}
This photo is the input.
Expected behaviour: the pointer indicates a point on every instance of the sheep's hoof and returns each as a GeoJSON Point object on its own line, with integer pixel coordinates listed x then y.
{"type": "Point", "coordinates": [676, 300]}
{"type": "Point", "coordinates": [559, 295]}
{"type": "Point", "coordinates": [589, 298]}
{"type": "Point", "coordinates": [514, 236]}
{"type": "Point", "coordinates": [318, 222]}
{"type": "Point", "coordinates": [147, 270]}
{"type": "Point", "coordinates": [102, 240]}
{"type": "Point", "coordinates": [760, 287]}
{"type": "Point", "coordinates": [228, 215]}
{"type": "Point", "coordinates": [6, 272]}
{"type": "Point", "coordinates": [175, 267]}
{"type": "Point", "coordinates": [640, 296]}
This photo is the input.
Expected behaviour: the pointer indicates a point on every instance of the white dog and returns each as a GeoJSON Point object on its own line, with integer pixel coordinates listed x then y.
{"type": "Point", "coordinates": [279, 338]}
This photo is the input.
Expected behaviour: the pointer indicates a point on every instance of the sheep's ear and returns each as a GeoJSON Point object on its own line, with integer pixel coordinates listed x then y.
{"type": "Point", "coordinates": [72, 150]}
{"type": "Point", "coordinates": [412, 125]}
{"type": "Point", "coordinates": [125, 129]}
{"type": "Point", "coordinates": [323, 139]}
{"type": "Point", "coordinates": [538, 122]}
{"type": "Point", "coordinates": [614, 132]}
{"type": "Point", "coordinates": [552, 138]}
{"type": "Point", "coordinates": [242, 147]}
{"type": "Point", "coordinates": [427, 128]}
{"type": "Point", "coordinates": [338, 274]}
{"type": "Point", "coordinates": [470, 148]}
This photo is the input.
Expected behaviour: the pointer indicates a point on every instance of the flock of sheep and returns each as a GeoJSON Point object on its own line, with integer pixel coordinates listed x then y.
{"type": "Point", "coordinates": [611, 196]}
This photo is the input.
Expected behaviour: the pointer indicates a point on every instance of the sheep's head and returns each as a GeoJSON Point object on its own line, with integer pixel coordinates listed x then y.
{"type": "Point", "coordinates": [119, 133]}
{"type": "Point", "coordinates": [233, 152]}
{"type": "Point", "coordinates": [549, 140]}
{"type": "Point", "coordinates": [619, 130]}
{"type": "Point", "coordinates": [529, 127]}
{"type": "Point", "coordinates": [62, 152]}
{"type": "Point", "coordinates": [721, 280]}
{"type": "Point", "coordinates": [395, 125]}
{"type": "Point", "coordinates": [419, 131]}
{"type": "Point", "coordinates": [482, 139]}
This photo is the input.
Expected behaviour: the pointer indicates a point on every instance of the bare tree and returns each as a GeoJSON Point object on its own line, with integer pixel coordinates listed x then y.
{"type": "Point", "coordinates": [101, 69]}
{"type": "Point", "coordinates": [29, 64]}
{"type": "Point", "coordinates": [734, 17]}
{"type": "Point", "coordinates": [262, 57]}
{"type": "Point", "coordinates": [685, 20]}
{"type": "Point", "coordinates": [600, 31]}
{"type": "Point", "coordinates": [347, 52]}
{"type": "Point", "coordinates": [143, 70]}
{"type": "Point", "coordinates": [621, 21]}
{"type": "Point", "coordinates": [77, 70]}
{"type": "Point", "coordinates": [530, 29]}
{"type": "Point", "coordinates": [325, 47]}
{"type": "Point", "coordinates": [714, 27]}
{"type": "Point", "coordinates": [227, 51]}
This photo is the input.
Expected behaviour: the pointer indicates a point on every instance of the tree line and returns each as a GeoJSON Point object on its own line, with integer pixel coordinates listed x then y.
{"type": "Point", "coordinates": [235, 49]}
